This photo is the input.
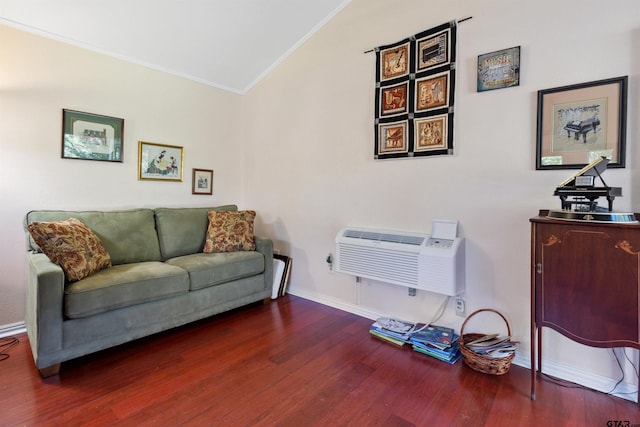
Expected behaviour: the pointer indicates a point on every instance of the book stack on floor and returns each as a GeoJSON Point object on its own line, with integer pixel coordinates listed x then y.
{"type": "Point", "coordinates": [436, 341]}
{"type": "Point", "coordinates": [493, 346]}
{"type": "Point", "coordinates": [393, 331]}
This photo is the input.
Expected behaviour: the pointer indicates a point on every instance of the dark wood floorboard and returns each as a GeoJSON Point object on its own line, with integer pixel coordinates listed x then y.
{"type": "Point", "coordinates": [291, 362]}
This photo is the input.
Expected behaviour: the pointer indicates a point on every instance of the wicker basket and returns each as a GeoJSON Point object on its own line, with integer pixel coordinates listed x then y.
{"type": "Point", "coordinates": [478, 362]}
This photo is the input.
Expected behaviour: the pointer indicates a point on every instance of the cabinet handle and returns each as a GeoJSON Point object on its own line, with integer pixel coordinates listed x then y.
{"type": "Point", "coordinates": [539, 268]}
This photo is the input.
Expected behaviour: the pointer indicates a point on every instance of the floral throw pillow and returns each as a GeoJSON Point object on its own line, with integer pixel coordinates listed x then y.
{"type": "Point", "coordinates": [230, 231]}
{"type": "Point", "coordinates": [72, 245]}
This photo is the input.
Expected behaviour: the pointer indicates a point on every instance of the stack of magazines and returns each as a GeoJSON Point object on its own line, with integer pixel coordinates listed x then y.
{"type": "Point", "coordinates": [392, 330]}
{"type": "Point", "coordinates": [437, 341]}
{"type": "Point", "coordinates": [492, 345]}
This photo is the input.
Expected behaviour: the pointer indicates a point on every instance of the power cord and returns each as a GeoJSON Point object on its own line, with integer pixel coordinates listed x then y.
{"type": "Point", "coordinates": [624, 351]}
{"type": "Point", "coordinates": [438, 314]}
{"type": "Point", "coordinates": [560, 382]}
{"type": "Point", "coordinates": [5, 344]}
{"type": "Point", "coordinates": [569, 384]}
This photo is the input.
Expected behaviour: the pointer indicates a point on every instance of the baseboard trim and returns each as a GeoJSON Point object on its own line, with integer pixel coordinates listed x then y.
{"type": "Point", "coordinates": [12, 329]}
{"type": "Point", "coordinates": [335, 303]}
{"type": "Point", "coordinates": [624, 390]}
{"type": "Point", "coordinates": [565, 372]}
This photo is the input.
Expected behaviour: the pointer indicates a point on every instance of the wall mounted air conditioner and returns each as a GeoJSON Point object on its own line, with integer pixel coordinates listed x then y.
{"type": "Point", "coordinates": [433, 263]}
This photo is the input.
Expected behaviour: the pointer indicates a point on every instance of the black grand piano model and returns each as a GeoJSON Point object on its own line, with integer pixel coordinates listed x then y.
{"type": "Point", "coordinates": [580, 193]}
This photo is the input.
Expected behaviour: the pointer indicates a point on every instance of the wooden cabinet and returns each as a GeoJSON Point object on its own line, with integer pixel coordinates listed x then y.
{"type": "Point", "coordinates": [584, 283]}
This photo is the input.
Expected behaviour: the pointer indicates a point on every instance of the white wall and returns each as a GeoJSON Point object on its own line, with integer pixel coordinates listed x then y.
{"type": "Point", "coordinates": [313, 119]}
{"type": "Point", "coordinates": [298, 148]}
{"type": "Point", "coordinates": [40, 77]}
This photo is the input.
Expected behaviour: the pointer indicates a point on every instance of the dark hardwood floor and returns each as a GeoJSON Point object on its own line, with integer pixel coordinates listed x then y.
{"type": "Point", "coordinates": [291, 362]}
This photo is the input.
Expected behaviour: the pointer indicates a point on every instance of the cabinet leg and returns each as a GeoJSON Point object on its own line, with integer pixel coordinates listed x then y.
{"type": "Point", "coordinates": [533, 363]}
{"type": "Point", "coordinates": [539, 371]}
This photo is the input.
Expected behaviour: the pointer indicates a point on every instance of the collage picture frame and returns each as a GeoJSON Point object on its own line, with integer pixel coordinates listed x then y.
{"type": "Point", "coordinates": [415, 86]}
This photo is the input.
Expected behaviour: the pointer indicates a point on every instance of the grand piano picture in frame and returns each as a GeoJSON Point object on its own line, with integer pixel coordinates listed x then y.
{"type": "Point", "coordinates": [579, 123]}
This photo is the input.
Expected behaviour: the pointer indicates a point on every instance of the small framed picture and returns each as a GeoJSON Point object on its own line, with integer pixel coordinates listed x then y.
{"type": "Point", "coordinates": [394, 99]}
{"type": "Point", "coordinates": [431, 133]}
{"type": "Point", "coordinates": [433, 50]}
{"type": "Point", "coordinates": [579, 123]}
{"type": "Point", "coordinates": [202, 181]}
{"type": "Point", "coordinates": [394, 61]}
{"type": "Point", "coordinates": [499, 69]}
{"type": "Point", "coordinates": [432, 92]}
{"type": "Point", "coordinates": [393, 138]}
{"type": "Point", "coordinates": [159, 162]}
{"type": "Point", "coordinates": [89, 136]}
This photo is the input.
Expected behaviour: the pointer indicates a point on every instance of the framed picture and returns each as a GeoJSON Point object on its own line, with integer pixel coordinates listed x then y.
{"type": "Point", "coordinates": [431, 133]}
{"type": "Point", "coordinates": [393, 137]}
{"type": "Point", "coordinates": [432, 92]}
{"type": "Point", "coordinates": [394, 99]}
{"type": "Point", "coordinates": [581, 122]}
{"type": "Point", "coordinates": [433, 50]}
{"type": "Point", "coordinates": [499, 69]}
{"type": "Point", "coordinates": [89, 136]}
{"type": "Point", "coordinates": [394, 62]}
{"type": "Point", "coordinates": [159, 162]}
{"type": "Point", "coordinates": [202, 181]}
{"type": "Point", "coordinates": [286, 273]}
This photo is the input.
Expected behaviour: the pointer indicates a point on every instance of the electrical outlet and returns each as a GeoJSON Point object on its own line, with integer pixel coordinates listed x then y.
{"type": "Point", "coordinates": [460, 309]}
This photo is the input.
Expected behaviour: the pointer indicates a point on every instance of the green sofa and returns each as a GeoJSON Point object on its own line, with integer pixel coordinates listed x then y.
{"type": "Point", "coordinates": [159, 279]}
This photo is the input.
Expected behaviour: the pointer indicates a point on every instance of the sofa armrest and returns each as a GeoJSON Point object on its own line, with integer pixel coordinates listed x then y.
{"type": "Point", "coordinates": [44, 299]}
{"type": "Point", "coordinates": [265, 246]}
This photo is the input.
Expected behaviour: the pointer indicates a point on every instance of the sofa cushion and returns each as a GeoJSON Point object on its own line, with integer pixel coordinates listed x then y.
{"type": "Point", "coordinates": [230, 232]}
{"type": "Point", "coordinates": [128, 235]}
{"type": "Point", "coordinates": [213, 269]}
{"type": "Point", "coordinates": [122, 286]}
{"type": "Point", "coordinates": [71, 245]}
{"type": "Point", "coordinates": [182, 231]}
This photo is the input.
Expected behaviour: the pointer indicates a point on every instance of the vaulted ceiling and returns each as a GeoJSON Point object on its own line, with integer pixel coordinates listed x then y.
{"type": "Point", "coordinates": [230, 44]}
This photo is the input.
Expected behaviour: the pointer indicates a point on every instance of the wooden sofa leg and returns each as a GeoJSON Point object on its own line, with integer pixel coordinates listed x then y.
{"type": "Point", "coordinates": [50, 371]}
{"type": "Point", "coordinates": [266, 301]}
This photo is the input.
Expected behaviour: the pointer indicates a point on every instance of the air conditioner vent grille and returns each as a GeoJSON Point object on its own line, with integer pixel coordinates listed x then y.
{"type": "Point", "coordinates": [384, 237]}
{"type": "Point", "coordinates": [381, 264]}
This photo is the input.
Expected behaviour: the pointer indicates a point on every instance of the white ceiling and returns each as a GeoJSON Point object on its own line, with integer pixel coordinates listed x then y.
{"type": "Point", "coordinates": [230, 44]}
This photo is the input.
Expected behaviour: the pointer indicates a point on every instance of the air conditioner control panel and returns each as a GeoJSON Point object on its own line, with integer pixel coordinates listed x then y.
{"type": "Point", "coordinates": [439, 243]}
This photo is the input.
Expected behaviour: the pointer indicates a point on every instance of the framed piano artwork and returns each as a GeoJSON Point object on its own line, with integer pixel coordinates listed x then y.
{"type": "Point", "coordinates": [580, 123]}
